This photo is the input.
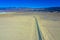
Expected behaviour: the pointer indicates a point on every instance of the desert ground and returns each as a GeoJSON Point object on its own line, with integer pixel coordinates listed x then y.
{"type": "Point", "coordinates": [22, 26]}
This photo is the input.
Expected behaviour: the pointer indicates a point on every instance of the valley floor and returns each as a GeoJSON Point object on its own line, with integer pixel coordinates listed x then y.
{"type": "Point", "coordinates": [21, 26]}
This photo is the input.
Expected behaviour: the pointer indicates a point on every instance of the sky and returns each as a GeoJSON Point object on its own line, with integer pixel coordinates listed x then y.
{"type": "Point", "coordinates": [30, 3]}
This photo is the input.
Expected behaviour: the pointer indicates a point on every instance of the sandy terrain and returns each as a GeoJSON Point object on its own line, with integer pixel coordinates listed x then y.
{"type": "Point", "coordinates": [23, 26]}
{"type": "Point", "coordinates": [17, 28]}
{"type": "Point", "coordinates": [50, 26]}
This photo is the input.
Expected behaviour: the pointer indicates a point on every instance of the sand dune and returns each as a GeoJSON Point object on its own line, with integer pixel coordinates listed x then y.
{"type": "Point", "coordinates": [23, 26]}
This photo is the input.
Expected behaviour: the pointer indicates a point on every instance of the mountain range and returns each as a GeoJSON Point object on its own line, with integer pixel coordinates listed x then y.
{"type": "Point", "coordinates": [18, 9]}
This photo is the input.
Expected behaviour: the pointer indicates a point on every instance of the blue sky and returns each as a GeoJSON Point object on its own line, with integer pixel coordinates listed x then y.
{"type": "Point", "coordinates": [29, 3]}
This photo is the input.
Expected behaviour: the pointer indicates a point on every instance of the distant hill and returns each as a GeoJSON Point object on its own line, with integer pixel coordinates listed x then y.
{"type": "Point", "coordinates": [53, 9]}
{"type": "Point", "coordinates": [12, 9]}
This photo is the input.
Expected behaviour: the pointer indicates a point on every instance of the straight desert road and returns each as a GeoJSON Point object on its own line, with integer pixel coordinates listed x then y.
{"type": "Point", "coordinates": [19, 27]}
